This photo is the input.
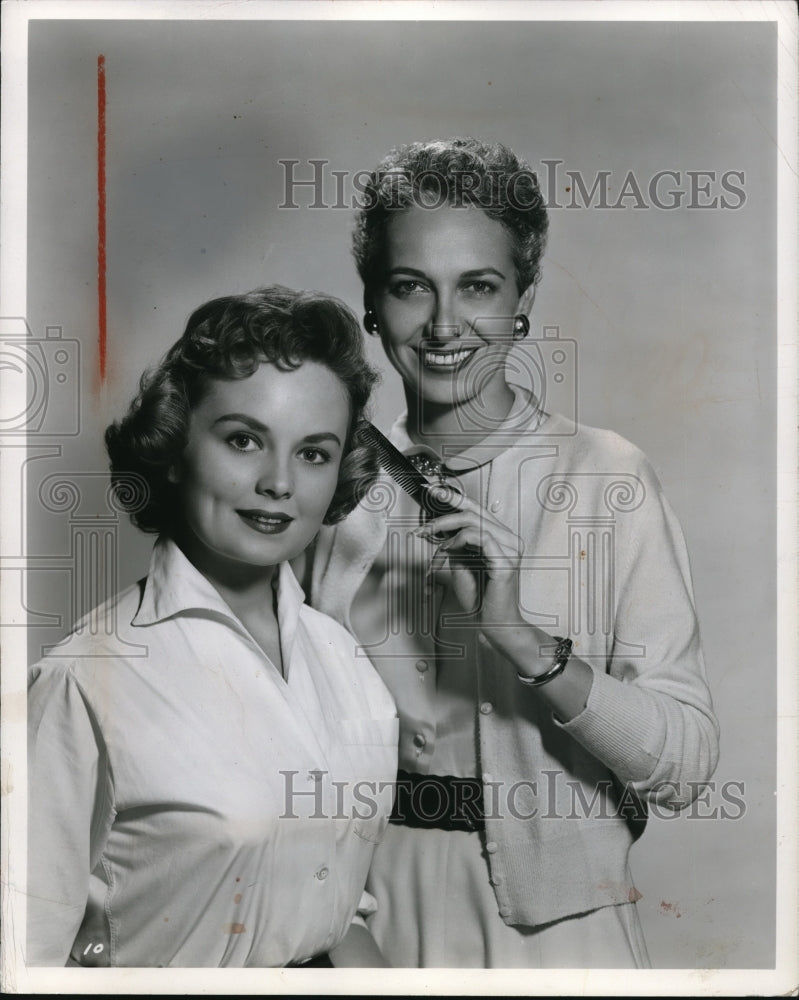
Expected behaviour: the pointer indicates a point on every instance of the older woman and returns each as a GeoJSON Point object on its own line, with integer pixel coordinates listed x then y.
{"type": "Point", "coordinates": [540, 640]}
{"type": "Point", "coordinates": [206, 767]}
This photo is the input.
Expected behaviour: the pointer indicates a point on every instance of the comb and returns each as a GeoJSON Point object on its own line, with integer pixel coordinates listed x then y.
{"type": "Point", "coordinates": [404, 472]}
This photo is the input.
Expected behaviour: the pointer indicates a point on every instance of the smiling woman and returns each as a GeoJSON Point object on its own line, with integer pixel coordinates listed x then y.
{"type": "Point", "coordinates": [540, 637]}
{"type": "Point", "coordinates": [194, 762]}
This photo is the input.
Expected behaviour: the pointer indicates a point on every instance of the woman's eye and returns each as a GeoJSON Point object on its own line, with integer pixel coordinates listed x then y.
{"type": "Point", "coordinates": [314, 456]}
{"type": "Point", "coordinates": [480, 288]}
{"type": "Point", "coordinates": [242, 441]}
{"type": "Point", "coordinates": [402, 289]}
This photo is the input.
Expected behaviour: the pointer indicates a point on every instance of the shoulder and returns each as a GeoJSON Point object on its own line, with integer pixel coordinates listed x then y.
{"type": "Point", "coordinates": [595, 451]}
{"type": "Point", "coordinates": [94, 639]}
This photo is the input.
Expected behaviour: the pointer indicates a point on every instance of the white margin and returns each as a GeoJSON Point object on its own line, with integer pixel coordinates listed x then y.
{"type": "Point", "coordinates": [784, 979]}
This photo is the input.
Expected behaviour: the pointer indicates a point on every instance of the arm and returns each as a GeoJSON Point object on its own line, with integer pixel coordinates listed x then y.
{"type": "Point", "coordinates": [66, 801]}
{"type": "Point", "coordinates": [647, 717]}
{"type": "Point", "coordinates": [650, 717]}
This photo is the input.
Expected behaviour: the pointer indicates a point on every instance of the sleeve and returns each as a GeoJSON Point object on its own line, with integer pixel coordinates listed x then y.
{"type": "Point", "coordinates": [650, 717]}
{"type": "Point", "coordinates": [69, 810]}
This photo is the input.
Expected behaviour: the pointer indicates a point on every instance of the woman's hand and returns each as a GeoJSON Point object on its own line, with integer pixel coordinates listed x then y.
{"type": "Point", "coordinates": [485, 561]}
{"type": "Point", "coordinates": [484, 557]}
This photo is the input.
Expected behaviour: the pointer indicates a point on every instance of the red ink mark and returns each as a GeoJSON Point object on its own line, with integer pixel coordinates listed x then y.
{"type": "Point", "coordinates": [670, 908]}
{"type": "Point", "coordinates": [237, 898]}
{"type": "Point", "coordinates": [235, 928]}
{"type": "Point", "coordinates": [101, 231]}
{"type": "Point", "coordinates": [238, 880]}
{"type": "Point", "coordinates": [568, 189]}
{"type": "Point", "coordinates": [634, 895]}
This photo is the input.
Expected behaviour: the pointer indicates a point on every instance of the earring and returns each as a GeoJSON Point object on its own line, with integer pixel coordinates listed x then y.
{"type": "Point", "coordinates": [370, 322]}
{"type": "Point", "coordinates": [521, 327]}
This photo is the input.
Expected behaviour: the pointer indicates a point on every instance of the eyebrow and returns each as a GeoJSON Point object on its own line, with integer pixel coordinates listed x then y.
{"type": "Point", "coordinates": [256, 425]}
{"type": "Point", "coordinates": [473, 273]}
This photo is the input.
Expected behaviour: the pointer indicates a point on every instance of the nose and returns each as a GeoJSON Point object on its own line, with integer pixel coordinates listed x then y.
{"type": "Point", "coordinates": [276, 478]}
{"type": "Point", "coordinates": [444, 325]}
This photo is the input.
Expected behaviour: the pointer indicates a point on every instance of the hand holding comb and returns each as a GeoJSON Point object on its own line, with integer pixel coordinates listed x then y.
{"type": "Point", "coordinates": [405, 473]}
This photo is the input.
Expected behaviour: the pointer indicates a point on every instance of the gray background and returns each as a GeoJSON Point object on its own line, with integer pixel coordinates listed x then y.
{"type": "Point", "coordinates": [674, 312]}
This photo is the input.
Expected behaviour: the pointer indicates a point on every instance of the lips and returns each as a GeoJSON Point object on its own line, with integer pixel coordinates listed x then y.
{"type": "Point", "coordinates": [265, 521]}
{"type": "Point", "coordinates": [444, 361]}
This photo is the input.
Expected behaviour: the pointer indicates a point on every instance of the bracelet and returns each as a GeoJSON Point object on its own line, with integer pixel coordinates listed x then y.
{"type": "Point", "coordinates": [562, 654]}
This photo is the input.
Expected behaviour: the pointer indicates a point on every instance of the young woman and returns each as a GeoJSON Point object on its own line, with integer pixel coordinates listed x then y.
{"type": "Point", "coordinates": [210, 763]}
{"type": "Point", "coordinates": [540, 640]}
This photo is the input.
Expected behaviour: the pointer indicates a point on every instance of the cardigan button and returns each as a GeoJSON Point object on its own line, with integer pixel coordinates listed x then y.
{"type": "Point", "coordinates": [495, 506]}
{"type": "Point", "coordinates": [422, 665]}
{"type": "Point", "coordinates": [419, 740]}
{"type": "Point", "coordinates": [504, 911]}
{"type": "Point", "coordinates": [486, 708]}
{"type": "Point", "coordinates": [496, 880]}
{"type": "Point", "coordinates": [481, 638]}
{"type": "Point", "coordinates": [492, 847]}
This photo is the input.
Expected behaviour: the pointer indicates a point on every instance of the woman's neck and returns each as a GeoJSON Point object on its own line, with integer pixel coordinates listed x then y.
{"type": "Point", "coordinates": [244, 587]}
{"type": "Point", "coordinates": [456, 425]}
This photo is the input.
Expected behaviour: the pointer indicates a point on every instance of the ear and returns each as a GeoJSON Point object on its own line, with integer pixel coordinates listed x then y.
{"type": "Point", "coordinates": [526, 300]}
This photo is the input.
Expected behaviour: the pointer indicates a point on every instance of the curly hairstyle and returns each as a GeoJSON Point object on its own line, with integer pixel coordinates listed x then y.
{"type": "Point", "coordinates": [460, 172]}
{"type": "Point", "coordinates": [228, 338]}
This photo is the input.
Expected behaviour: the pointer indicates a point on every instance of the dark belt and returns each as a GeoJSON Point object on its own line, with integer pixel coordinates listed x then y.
{"type": "Point", "coordinates": [438, 801]}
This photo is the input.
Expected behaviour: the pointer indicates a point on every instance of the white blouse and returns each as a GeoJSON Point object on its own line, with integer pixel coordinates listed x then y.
{"type": "Point", "coordinates": [189, 806]}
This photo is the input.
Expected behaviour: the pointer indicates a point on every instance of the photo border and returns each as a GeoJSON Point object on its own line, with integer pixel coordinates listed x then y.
{"type": "Point", "coordinates": [16, 977]}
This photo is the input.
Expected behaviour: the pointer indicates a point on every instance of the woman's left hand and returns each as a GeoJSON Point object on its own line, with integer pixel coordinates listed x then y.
{"type": "Point", "coordinates": [484, 557]}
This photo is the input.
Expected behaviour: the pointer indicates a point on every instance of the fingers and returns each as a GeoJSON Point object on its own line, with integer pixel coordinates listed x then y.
{"type": "Point", "coordinates": [458, 503]}
{"type": "Point", "coordinates": [472, 549]}
{"type": "Point", "coordinates": [469, 530]}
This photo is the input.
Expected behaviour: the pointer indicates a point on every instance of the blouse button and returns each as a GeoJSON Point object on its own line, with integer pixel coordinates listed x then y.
{"type": "Point", "coordinates": [496, 505]}
{"type": "Point", "coordinates": [322, 874]}
{"type": "Point", "coordinates": [486, 708]}
{"type": "Point", "coordinates": [496, 880]}
{"type": "Point", "coordinates": [492, 847]}
{"type": "Point", "coordinates": [421, 666]}
{"type": "Point", "coordinates": [419, 740]}
{"type": "Point", "coordinates": [504, 911]}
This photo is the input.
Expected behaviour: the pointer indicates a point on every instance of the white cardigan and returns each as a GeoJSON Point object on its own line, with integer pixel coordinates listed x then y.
{"type": "Point", "coordinates": [605, 562]}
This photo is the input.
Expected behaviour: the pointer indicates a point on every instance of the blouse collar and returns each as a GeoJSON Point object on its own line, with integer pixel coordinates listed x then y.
{"type": "Point", "coordinates": [175, 587]}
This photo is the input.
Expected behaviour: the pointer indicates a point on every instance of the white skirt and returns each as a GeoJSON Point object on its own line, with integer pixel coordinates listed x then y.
{"type": "Point", "coordinates": [437, 909]}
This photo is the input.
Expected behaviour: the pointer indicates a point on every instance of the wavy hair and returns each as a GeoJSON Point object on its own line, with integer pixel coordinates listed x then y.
{"type": "Point", "coordinates": [228, 338]}
{"type": "Point", "coordinates": [460, 172]}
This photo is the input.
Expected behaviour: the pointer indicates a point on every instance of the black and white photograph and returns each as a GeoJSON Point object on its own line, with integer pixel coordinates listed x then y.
{"type": "Point", "coordinates": [399, 536]}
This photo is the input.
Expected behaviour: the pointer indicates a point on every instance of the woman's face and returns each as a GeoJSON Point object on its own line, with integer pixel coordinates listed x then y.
{"type": "Point", "coordinates": [261, 466]}
{"type": "Point", "coordinates": [445, 303]}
